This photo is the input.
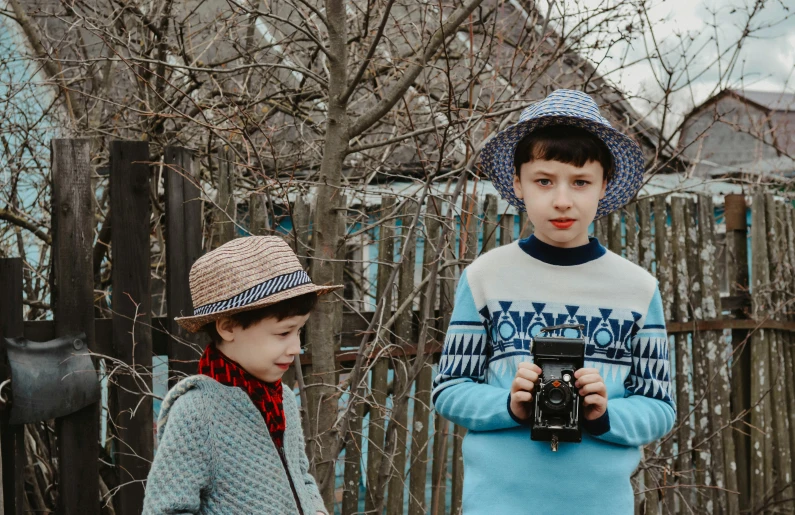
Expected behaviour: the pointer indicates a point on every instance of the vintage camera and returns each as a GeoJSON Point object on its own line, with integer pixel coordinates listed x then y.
{"type": "Point", "coordinates": [557, 404]}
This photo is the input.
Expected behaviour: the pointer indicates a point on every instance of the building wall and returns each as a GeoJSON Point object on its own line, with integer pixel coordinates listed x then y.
{"type": "Point", "coordinates": [727, 132]}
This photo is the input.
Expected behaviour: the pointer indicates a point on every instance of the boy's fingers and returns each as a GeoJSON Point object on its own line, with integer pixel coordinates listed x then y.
{"type": "Point", "coordinates": [521, 383]}
{"type": "Point", "coordinates": [522, 396]}
{"type": "Point", "coordinates": [588, 379]}
{"type": "Point", "coordinates": [526, 373]}
{"type": "Point", "coordinates": [597, 388]}
{"type": "Point", "coordinates": [593, 400]}
{"type": "Point", "coordinates": [526, 365]}
{"type": "Point", "coordinates": [585, 371]}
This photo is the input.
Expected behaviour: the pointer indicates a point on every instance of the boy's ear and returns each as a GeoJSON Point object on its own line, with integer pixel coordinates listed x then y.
{"type": "Point", "coordinates": [604, 189]}
{"type": "Point", "coordinates": [226, 328]}
{"type": "Point", "coordinates": [517, 187]}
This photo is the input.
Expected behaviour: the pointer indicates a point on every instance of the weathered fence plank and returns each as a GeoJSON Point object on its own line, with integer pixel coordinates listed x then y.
{"type": "Point", "coordinates": [183, 248]}
{"type": "Point", "coordinates": [422, 386]}
{"type": "Point", "coordinates": [789, 354]}
{"type": "Point", "coordinates": [705, 495]}
{"type": "Point", "coordinates": [73, 307]}
{"type": "Point", "coordinates": [489, 229]}
{"type": "Point", "coordinates": [645, 256]}
{"type": "Point", "coordinates": [614, 232]}
{"type": "Point", "coordinates": [403, 335]}
{"type": "Point", "coordinates": [380, 371]}
{"type": "Point", "coordinates": [506, 229]}
{"type": "Point", "coordinates": [225, 212]}
{"type": "Point", "coordinates": [737, 271]}
{"type": "Point", "coordinates": [12, 438]}
{"type": "Point", "coordinates": [761, 466]}
{"type": "Point", "coordinates": [684, 464]}
{"type": "Point", "coordinates": [132, 319]}
{"type": "Point", "coordinates": [441, 426]}
{"type": "Point", "coordinates": [778, 381]}
{"type": "Point", "coordinates": [469, 252]}
{"type": "Point", "coordinates": [722, 448]}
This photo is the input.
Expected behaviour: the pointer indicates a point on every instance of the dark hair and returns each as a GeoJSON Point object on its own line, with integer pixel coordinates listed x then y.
{"type": "Point", "coordinates": [565, 143]}
{"type": "Point", "coordinates": [295, 306]}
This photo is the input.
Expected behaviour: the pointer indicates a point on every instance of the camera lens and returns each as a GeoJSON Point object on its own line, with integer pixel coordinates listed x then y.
{"type": "Point", "coordinates": [556, 396]}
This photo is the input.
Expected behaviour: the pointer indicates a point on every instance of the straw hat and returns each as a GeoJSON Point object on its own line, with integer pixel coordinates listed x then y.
{"type": "Point", "coordinates": [567, 107]}
{"type": "Point", "coordinates": [245, 274]}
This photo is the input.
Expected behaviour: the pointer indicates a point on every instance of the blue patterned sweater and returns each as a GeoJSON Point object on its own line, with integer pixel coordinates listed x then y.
{"type": "Point", "coordinates": [503, 299]}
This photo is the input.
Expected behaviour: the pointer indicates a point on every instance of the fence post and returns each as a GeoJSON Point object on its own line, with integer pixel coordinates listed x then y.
{"type": "Point", "coordinates": [489, 223]}
{"type": "Point", "coordinates": [73, 306]}
{"type": "Point", "coordinates": [662, 251]}
{"type": "Point", "coordinates": [469, 235]}
{"type": "Point", "coordinates": [422, 392]}
{"type": "Point", "coordinates": [506, 229]}
{"type": "Point", "coordinates": [631, 220]}
{"type": "Point", "coordinates": [789, 349]}
{"type": "Point", "coordinates": [737, 269]}
{"type": "Point", "coordinates": [761, 445]}
{"type": "Point", "coordinates": [684, 463]}
{"type": "Point", "coordinates": [183, 248]}
{"type": "Point", "coordinates": [132, 319]}
{"type": "Point", "coordinates": [614, 231]}
{"type": "Point", "coordinates": [225, 212]}
{"type": "Point", "coordinates": [442, 425]}
{"type": "Point", "coordinates": [717, 367]}
{"type": "Point", "coordinates": [779, 424]}
{"type": "Point", "coordinates": [404, 335]}
{"type": "Point", "coordinates": [12, 438]}
{"type": "Point", "coordinates": [700, 367]}
{"type": "Point", "coordinates": [380, 369]}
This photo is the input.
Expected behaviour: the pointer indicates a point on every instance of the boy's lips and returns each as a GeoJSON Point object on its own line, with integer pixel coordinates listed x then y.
{"type": "Point", "coordinates": [563, 223]}
{"type": "Point", "coordinates": [284, 366]}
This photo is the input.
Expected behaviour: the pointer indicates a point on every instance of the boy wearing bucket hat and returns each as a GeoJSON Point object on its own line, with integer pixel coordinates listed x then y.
{"type": "Point", "coordinates": [566, 166]}
{"type": "Point", "coordinates": [230, 438]}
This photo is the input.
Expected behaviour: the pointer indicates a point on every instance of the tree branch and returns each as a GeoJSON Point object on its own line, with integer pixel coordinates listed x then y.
{"type": "Point", "coordinates": [410, 75]}
{"type": "Point", "coordinates": [17, 220]}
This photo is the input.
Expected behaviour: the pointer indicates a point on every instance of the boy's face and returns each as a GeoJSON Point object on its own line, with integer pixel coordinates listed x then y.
{"type": "Point", "coordinates": [266, 349]}
{"type": "Point", "coordinates": [561, 199]}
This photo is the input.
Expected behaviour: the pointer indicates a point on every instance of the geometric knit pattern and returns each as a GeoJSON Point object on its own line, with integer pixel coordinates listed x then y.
{"type": "Point", "coordinates": [574, 108]}
{"type": "Point", "coordinates": [267, 397]}
{"type": "Point", "coordinates": [651, 369]}
{"type": "Point", "coordinates": [464, 356]}
{"type": "Point", "coordinates": [215, 456]}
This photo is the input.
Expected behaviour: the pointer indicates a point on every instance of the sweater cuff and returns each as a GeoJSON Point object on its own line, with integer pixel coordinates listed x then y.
{"type": "Point", "coordinates": [514, 417]}
{"type": "Point", "coordinates": [598, 426]}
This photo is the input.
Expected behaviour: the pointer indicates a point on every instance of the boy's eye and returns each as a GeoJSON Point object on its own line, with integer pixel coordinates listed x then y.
{"type": "Point", "coordinates": [544, 182]}
{"type": "Point", "coordinates": [581, 183]}
{"type": "Point", "coordinates": [285, 334]}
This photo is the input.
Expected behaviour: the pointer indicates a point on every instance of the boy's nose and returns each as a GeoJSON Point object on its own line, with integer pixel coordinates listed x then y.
{"type": "Point", "coordinates": [295, 346]}
{"type": "Point", "coordinates": [562, 200]}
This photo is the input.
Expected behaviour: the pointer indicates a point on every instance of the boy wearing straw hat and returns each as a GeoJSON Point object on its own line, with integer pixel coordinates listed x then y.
{"type": "Point", "coordinates": [230, 438]}
{"type": "Point", "coordinates": [566, 166]}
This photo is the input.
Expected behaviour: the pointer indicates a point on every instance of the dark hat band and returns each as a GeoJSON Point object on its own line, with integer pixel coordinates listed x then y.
{"type": "Point", "coordinates": [256, 293]}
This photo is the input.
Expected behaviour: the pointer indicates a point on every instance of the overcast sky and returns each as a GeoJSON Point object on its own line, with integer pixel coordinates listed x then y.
{"type": "Point", "coordinates": [766, 61]}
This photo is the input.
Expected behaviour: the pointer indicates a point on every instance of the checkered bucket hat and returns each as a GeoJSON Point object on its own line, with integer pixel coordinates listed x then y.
{"type": "Point", "coordinates": [245, 274]}
{"type": "Point", "coordinates": [567, 107]}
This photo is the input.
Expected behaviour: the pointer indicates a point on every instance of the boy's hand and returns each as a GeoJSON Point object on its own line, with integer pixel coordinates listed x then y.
{"type": "Point", "coordinates": [593, 391]}
{"type": "Point", "coordinates": [523, 383]}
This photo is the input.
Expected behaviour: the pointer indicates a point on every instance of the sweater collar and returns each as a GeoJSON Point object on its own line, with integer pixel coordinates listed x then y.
{"type": "Point", "coordinates": [561, 256]}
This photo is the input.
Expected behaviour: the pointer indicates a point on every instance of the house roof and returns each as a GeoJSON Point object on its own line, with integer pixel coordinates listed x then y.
{"type": "Point", "coordinates": [770, 100]}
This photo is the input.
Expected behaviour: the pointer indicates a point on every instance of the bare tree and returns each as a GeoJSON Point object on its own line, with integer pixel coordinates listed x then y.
{"type": "Point", "coordinates": [310, 100]}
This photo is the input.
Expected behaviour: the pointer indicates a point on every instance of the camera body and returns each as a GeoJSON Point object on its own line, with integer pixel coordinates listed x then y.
{"type": "Point", "coordinates": [557, 410]}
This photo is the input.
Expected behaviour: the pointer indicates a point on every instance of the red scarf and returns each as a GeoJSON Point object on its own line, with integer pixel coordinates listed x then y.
{"type": "Point", "coordinates": [267, 397]}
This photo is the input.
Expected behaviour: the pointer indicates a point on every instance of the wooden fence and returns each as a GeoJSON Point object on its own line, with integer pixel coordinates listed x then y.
{"type": "Point", "coordinates": [730, 451]}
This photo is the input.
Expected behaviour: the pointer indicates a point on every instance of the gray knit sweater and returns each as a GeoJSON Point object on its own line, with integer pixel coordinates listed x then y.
{"type": "Point", "coordinates": [216, 456]}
